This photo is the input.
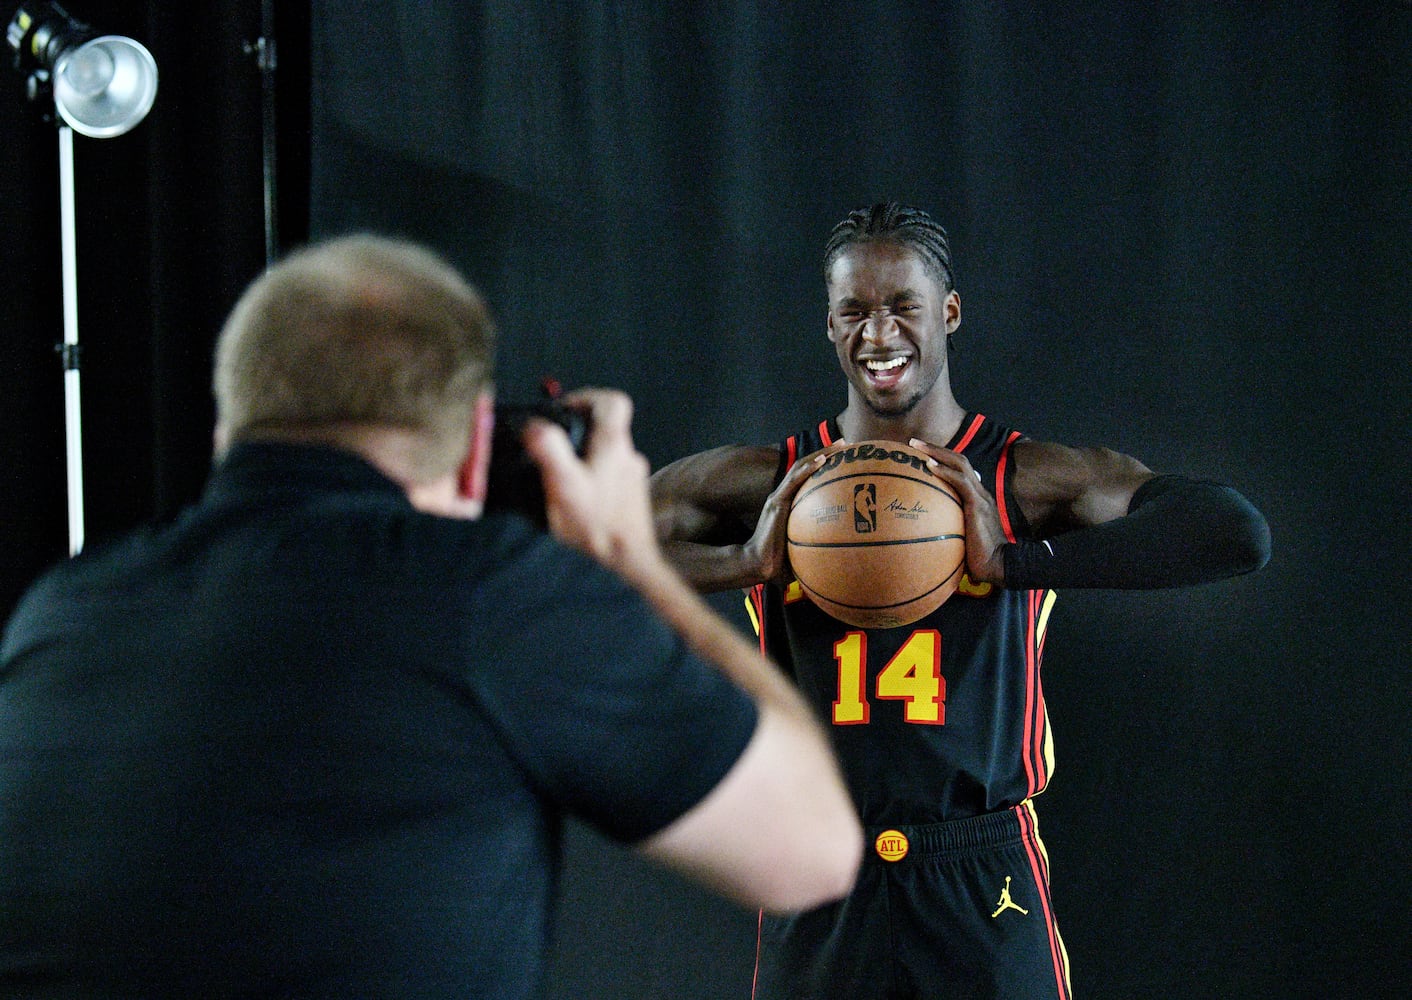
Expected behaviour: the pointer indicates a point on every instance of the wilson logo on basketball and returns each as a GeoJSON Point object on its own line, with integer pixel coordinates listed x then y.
{"type": "Point", "coordinates": [867, 452]}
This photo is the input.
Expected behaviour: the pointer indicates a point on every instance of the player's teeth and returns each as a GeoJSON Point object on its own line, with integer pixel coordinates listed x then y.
{"type": "Point", "coordinates": [883, 366]}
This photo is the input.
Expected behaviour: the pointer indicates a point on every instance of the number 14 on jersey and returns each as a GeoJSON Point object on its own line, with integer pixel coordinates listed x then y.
{"type": "Point", "coordinates": [912, 676]}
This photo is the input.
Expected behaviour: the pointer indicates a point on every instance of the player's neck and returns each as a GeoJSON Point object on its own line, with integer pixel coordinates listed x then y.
{"type": "Point", "coordinates": [935, 419]}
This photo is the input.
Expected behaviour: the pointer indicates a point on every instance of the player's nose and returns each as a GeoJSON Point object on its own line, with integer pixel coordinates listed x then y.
{"type": "Point", "coordinates": [879, 327]}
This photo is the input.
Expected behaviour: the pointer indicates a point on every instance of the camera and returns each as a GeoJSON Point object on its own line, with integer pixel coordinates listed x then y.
{"type": "Point", "coordinates": [513, 483]}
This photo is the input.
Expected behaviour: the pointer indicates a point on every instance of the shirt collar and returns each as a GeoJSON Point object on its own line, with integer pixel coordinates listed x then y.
{"type": "Point", "coordinates": [269, 469]}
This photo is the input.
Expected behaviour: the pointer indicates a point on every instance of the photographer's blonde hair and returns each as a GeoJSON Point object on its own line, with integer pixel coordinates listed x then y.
{"type": "Point", "coordinates": [356, 334]}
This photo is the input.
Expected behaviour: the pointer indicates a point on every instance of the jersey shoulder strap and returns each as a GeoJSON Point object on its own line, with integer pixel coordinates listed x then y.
{"type": "Point", "coordinates": [986, 444]}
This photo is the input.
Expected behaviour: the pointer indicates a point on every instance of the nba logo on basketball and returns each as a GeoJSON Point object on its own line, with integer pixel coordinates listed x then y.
{"type": "Point", "coordinates": [865, 508]}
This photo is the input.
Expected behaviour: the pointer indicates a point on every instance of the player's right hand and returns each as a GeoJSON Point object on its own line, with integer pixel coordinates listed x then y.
{"type": "Point", "coordinates": [766, 548]}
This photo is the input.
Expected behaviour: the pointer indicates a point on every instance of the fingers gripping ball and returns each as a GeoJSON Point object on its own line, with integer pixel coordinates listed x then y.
{"type": "Point", "coordinates": [875, 539]}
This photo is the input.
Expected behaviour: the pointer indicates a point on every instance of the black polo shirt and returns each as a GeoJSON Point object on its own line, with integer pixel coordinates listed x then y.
{"type": "Point", "coordinates": [309, 742]}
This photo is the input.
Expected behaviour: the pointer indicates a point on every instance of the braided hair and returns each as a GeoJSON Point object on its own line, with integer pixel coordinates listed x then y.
{"type": "Point", "coordinates": [895, 223]}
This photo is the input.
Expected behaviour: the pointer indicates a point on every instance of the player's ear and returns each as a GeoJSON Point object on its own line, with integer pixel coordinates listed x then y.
{"type": "Point", "coordinates": [472, 476]}
{"type": "Point", "coordinates": [952, 310]}
{"type": "Point", "coordinates": [828, 325]}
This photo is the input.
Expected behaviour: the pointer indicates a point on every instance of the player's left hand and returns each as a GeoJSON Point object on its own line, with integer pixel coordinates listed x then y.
{"type": "Point", "coordinates": [985, 538]}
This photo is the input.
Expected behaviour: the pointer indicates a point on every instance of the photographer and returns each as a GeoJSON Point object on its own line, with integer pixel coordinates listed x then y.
{"type": "Point", "coordinates": [317, 737]}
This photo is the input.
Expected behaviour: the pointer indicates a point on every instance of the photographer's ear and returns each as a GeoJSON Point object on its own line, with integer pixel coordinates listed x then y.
{"type": "Point", "coordinates": [471, 479]}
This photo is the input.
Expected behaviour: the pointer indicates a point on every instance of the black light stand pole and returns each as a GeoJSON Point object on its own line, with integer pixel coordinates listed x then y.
{"type": "Point", "coordinates": [266, 54]}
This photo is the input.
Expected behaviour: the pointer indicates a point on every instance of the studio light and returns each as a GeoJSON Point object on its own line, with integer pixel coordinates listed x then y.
{"type": "Point", "coordinates": [99, 86]}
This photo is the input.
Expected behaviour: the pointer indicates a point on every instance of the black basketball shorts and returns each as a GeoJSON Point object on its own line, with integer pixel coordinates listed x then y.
{"type": "Point", "coordinates": [958, 909]}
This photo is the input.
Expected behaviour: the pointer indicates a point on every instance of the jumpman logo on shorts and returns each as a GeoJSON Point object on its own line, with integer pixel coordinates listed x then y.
{"type": "Point", "coordinates": [1006, 903]}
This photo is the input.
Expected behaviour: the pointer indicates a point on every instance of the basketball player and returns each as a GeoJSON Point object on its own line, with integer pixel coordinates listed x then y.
{"type": "Point", "coordinates": [955, 900]}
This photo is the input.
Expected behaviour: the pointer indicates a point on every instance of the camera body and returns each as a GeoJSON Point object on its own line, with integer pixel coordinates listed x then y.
{"type": "Point", "coordinates": [513, 482]}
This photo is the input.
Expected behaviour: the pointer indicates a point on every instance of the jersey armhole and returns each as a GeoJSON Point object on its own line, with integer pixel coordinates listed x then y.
{"type": "Point", "coordinates": [1012, 518]}
{"type": "Point", "coordinates": [789, 454]}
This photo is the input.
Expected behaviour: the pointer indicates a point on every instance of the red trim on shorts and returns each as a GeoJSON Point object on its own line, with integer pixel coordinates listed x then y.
{"type": "Point", "coordinates": [1039, 869]}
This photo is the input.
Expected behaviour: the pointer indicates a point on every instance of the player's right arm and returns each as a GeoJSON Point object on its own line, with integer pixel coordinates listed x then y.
{"type": "Point", "coordinates": [721, 518]}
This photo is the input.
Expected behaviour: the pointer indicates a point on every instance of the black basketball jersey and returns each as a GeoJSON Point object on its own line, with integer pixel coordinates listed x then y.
{"type": "Point", "coordinates": [937, 720]}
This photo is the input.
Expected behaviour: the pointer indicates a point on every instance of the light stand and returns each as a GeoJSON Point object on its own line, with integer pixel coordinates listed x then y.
{"type": "Point", "coordinates": [266, 56]}
{"type": "Point", "coordinates": [100, 87]}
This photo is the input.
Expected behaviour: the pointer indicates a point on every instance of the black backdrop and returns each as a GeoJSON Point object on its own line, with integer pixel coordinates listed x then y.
{"type": "Point", "coordinates": [1181, 230]}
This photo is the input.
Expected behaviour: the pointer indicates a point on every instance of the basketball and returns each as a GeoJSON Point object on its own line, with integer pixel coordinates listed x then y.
{"type": "Point", "coordinates": [875, 539]}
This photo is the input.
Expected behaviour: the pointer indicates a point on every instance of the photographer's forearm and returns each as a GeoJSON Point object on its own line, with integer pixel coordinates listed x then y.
{"type": "Point", "coordinates": [709, 635]}
{"type": "Point", "coordinates": [780, 831]}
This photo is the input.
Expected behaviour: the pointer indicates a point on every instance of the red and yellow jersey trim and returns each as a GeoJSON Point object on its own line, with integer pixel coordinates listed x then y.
{"type": "Point", "coordinates": [1037, 745]}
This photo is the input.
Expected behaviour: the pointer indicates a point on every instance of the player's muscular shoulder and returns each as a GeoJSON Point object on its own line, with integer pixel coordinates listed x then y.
{"type": "Point", "coordinates": [1060, 487]}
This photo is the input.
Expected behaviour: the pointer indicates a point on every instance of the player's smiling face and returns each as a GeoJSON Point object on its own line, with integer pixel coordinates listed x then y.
{"type": "Point", "coordinates": [888, 320]}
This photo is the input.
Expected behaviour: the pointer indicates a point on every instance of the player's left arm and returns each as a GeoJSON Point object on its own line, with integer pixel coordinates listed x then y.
{"type": "Point", "coordinates": [1103, 519]}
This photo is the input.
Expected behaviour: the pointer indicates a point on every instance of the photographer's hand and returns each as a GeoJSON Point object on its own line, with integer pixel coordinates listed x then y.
{"type": "Point", "coordinates": [598, 504]}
